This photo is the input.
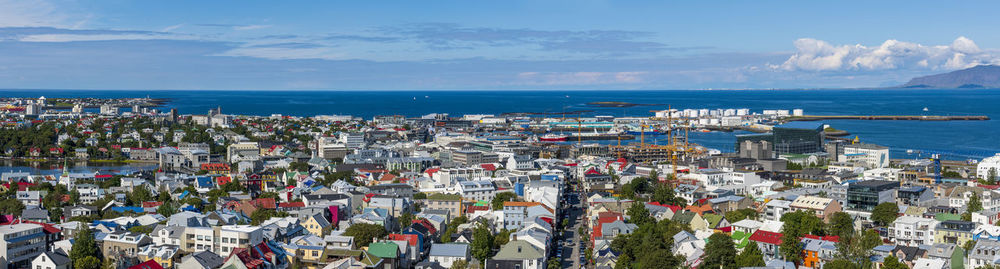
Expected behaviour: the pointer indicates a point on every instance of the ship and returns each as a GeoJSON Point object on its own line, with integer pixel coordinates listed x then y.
{"type": "Point", "coordinates": [553, 138]}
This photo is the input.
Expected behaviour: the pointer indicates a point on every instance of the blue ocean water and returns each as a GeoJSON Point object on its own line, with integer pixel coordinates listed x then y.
{"type": "Point", "coordinates": [954, 139]}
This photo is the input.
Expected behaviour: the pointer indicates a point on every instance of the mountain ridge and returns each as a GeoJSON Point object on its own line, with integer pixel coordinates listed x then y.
{"type": "Point", "coordinates": [982, 76]}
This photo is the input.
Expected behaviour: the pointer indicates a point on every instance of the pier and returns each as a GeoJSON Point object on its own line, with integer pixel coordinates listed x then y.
{"type": "Point", "coordinates": [885, 117]}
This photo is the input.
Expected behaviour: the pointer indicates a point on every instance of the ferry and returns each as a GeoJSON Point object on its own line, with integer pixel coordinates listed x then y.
{"type": "Point", "coordinates": [553, 138]}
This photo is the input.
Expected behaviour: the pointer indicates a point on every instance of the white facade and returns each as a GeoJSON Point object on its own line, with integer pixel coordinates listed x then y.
{"type": "Point", "coordinates": [987, 164]}
{"type": "Point", "coordinates": [912, 231]}
{"type": "Point", "coordinates": [869, 155]}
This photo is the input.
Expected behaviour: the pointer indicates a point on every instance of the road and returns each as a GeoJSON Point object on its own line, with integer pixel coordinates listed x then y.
{"type": "Point", "coordinates": [573, 249]}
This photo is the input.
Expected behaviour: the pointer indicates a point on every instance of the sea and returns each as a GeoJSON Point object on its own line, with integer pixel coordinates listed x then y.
{"type": "Point", "coordinates": [955, 140]}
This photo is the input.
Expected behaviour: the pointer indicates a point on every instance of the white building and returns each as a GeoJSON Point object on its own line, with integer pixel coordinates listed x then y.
{"type": "Point", "coordinates": [868, 155]}
{"type": "Point", "coordinates": [774, 209]}
{"type": "Point", "coordinates": [987, 164]}
{"type": "Point", "coordinates": [912, 231]}
{"type": "Point", "coordinates": [21, 243]}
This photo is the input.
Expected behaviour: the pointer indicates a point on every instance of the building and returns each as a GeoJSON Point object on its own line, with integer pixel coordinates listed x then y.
{"type": "Point", "coordinates": [798, 137]}
{"type": "Point", "coordinates": [823, 207]}
{"type": "Point", "coordinates": [51, 260]}
{"type": "Point", "coordinates": [243, 151]}
{"type": "Point", "coordinates": [21, 244]}
{"type": "Point", "coordinates": [865, 195]}
{"type": "Point", "coordinates": [230, 237]}
{"type": "Point", "coordinates": [989, 166]}
{"type": "Point", "coordinates": [446, 254]}
{"type": "Point", "coordinates": [774, 209]}
{"type": "Point", "coordinates": [912, 231]}
{"type": "Point", "coordinates": [868, 155]}
{"type": "Point", "coordinates": [954, 232]}
{"type": "Point", "coordinates": [517, 254]}
{"type": "Point", "coordinates": [120, 244]}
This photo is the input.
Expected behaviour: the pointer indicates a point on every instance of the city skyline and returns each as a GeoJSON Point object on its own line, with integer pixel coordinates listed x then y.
{"type": "Point", "coordinates": [514, 45]}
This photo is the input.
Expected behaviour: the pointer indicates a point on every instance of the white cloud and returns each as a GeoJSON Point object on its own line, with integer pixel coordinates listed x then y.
{"type": "Point", "coordinates": [579, 78]}
{"type": "Point", "coordinates": [17, 13]}
{"type": "Point", "coordinates": [277, 53]}
{"type": "Point", "coordinates": [102, 37]}
{"type": "Point", "coordinates": [250, 27]}
{"type": "Point", "coordinates": [818, 55]}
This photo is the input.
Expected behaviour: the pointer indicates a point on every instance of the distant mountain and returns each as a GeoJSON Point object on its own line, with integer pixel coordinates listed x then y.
{"type": "Point", "coordinates": [983, 76]}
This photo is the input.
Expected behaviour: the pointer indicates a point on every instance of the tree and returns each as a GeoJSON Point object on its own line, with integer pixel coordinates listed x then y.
{"type": "Point", "coordinates": [974, 205]}
{"type": "Point", "coordinates": [790, 249]}
{"type": "Point", "coordinates": [139, 194]}
{"type": "Point", "coordinates": [482, 242]}
{"type": "Point", "coordinates": [720, 252]}
{"type": "Point", "coordinates": [419, 196]}
{"type": "Point", "coordinates": [166, 209]}
{"type": "Point", "coordinates": [991, 176]}
{"type": "Point", "coordinates": [660, 258]}
{"type": "Point", "coordinates": [885, 213]}
{"type": "Point", "coordinates": [841, 224]}
{"type": "Point", "coordinates": [840, 264]}
{"type": "Point", "coordinates": [11, 206]}
{"type": "Point", "coordinates": [639, 215]}
{"type": "Point", "coordinates": [741, 214]}
{"type": "Point", "coordinates": [502, 197]}
{"type": "Point", "coordinates": [856, 247]}
{"type": "Point", "coordinates": [891, 262]}
{"type": "Point", "coordinates": [459, 264]}
{"type": "Point", "coordinates": [363, 233]}
{"type": "Point", "coordinates": [84, 246]}
{"type": "Point", "coordinates": [750, 257]}
{"type": "Point", "coordinates": [664, 194]}
{"type": "Point", "coordinates": [89, 262]}
{"type": "Point", "coordinates": [405, 219]}
{"type": "Point", "coordinates": [261, 215]}
{"type": "Point", "coordinates": [269, 194]}
{"type": "Point", "coordinates": [554, 264]}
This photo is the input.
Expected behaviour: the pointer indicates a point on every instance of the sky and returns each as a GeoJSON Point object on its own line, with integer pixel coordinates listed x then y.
{"type": "Point", "coordinates": [488, 45]}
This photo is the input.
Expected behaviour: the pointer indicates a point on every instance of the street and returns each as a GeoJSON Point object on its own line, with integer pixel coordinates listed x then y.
{"type": "Point", "coordinates": [575, 254]}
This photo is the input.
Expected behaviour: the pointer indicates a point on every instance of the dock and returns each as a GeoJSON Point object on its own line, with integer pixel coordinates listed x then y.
{"type": "Point", "coordinates": [885, 117]}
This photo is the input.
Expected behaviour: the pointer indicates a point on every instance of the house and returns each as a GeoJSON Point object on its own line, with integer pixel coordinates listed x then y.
{"type": "Point", "coordinates": [123, 243]}
{"type": "Point", "coordinates": [774, 209]}
{"type": "Point", "coordinates": [912, 231]}
{"type": "Point", "coordinates": [985, 252]}
{"type": "Point", "coordinates": [317, 224]}
{"type": "Point", "coordinates": [263, 255]}
{"type": "Point", "coordinates": [51, 260]}
{"type": "Point", "coordinates": [446, 254]}
{"type": "Point", "coordinates": [30, 198]}
{"type": "Point", "coordinates": [823, 207]}
{"type": "Point", "coordinates": [725, 204]}
{"type": "Point", "coordinates": [201, 260]}
{"type": "Point", "coordinates": [388, 251]}
{"type": "Point", "coordinates": [816, 251]}
{"type": "Point", "coordinates": [517, 254]}
{"type": "Point", "coordinates": [715, 221]}
{"type": "Point", "coordinates": [954, 232]}
{"type": "Point", "coordinates": [768, 243]}
{"type": "Point", "coordinates": [164, 255]}
{"type": "Point", "coordinates": [693, 220]}
{"type": "Point", "coordinates": [150, 264]}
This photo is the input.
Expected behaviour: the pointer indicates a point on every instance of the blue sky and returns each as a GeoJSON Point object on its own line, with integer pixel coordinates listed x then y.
{"type": "Point", "coordinates": [400, 45]}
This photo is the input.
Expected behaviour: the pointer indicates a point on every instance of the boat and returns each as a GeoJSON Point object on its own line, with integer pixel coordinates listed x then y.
{"type": "Point", "coordinates": [925, 109]}
{"type": "Point", "coordinates": [704, 130]}
{"type": "Point", "coordinates": [553, 138]}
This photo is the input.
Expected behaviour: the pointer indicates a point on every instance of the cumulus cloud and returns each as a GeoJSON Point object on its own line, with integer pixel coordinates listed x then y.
{"type": "Point", "coordinates": [818, 55]}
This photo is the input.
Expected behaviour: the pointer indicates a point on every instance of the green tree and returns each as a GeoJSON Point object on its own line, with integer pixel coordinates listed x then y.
{"type": "Point", "coordinates": [166, 209]}
{"type": "Point", "coordinates": [885, 213]}
{"type": "Point", "coordinates": [554, 264]}
{"type": "Point", "coordinates": [664, 194]}
{"type": "Point", "coordinates": [405, 219]}
{"type": "Point", "coordinates": [638, 214]}
{"type": "Point", "coordinates": [84, 245]}
{"type": "Point", "coordinates": [261, 215]}
{"type": "Point", "coordinates": [741, 214]}
{"type": "Point", "coordinates": [89, 262]}
{"type": "Point", "coordinates": [720, 252]}
{"type": "Point", "coordinates": [840, 264]}
{"type": "Point", "coordinates": [459, 264]}
{"type": "Point", "coordinates": [841, 224]}
{"type": "Point", "coordinates": [974, 205]}
{"type": "Point", "coordinates": [138, 195]}
{"type": "Point", "coordinates": [660, 258]}
{"type": "Point", "coordinates": [482, 242]}
{"type": "Point", "coordinates": [790, 248]}
{"type": "Point", "coordinates": [419, 196]}
{"type": "Point", "coordinates": [502, 197]}
{"type": "Point", "coordinates": [891, 262]}
{"type": "Point", "coordinates": [750, 257]}
{"type": "Point", "coordinates": [363, 233]}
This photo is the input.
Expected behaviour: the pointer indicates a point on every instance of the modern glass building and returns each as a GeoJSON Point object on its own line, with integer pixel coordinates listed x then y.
{"type": "Point", "coordinates": [794, 137]}
{"type": "Point", "coordinates": [865, 195]}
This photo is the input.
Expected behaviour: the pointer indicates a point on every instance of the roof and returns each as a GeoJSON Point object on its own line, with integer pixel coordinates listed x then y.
{"type": "Point", "coordinates": [450, 250]}
{"type": "Point", "coordinates": [766, 237]}
{"type": "Point", "coordinates": [150, 264]}
{"type": "Point", "coordinates": [811, 125]}
{"type": "Point", "coordinates": [386, 250]}
{"type": "Point", "coordinates": [519, 250]}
